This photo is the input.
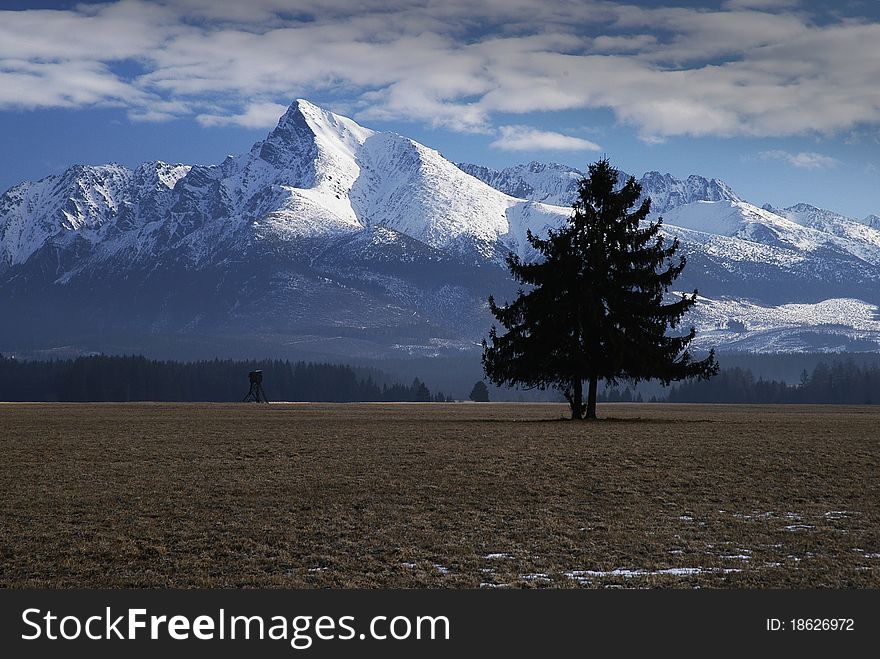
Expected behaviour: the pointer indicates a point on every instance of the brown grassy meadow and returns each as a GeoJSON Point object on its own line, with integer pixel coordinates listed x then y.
{"type": "Point", "coordinates": [457, 495]}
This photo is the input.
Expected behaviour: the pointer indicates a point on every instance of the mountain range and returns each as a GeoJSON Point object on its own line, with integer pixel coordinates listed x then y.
{"type": "Point", "coordinates": [328, 239]}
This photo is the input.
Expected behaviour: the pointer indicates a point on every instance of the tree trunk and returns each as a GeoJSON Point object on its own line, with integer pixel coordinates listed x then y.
{"type": "Point", "coordinates": [576, 401]}
{"type": "Point", "coordinates": [591, 397]}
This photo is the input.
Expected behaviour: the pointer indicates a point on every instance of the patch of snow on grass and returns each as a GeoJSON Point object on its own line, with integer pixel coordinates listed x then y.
{"type": "Point", "coordinates": [584, 576]}
{"type": "Point", "coordinates": [867, 554]}
{"type": "Point", "coordinates": [535, 576]}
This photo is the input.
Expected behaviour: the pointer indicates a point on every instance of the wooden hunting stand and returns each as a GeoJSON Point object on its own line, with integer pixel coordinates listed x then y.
{"type": "Point", "coordinates": [256, 393]}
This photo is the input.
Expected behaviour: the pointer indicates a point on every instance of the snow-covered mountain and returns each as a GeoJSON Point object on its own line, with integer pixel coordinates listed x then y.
{"type": "Point", "coordinates": [667, 192]}
{"type": "Point", "coordinates": [317, 175]}
{"type": "Point", "coordinates": [325, 233]}
{"type": "Point", "coordinates": [548, 183]}
{"type": "Point", "coordinates": [330, 239]}
{"type": "Point", "coordinates": [829, 222]}
{"type": "Point", "coordinates": [831, 325]}
{"type": "Point", "coordinates": [558, 184]}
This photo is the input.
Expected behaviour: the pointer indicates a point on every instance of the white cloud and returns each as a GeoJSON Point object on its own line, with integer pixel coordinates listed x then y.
{"type": "Point", "coordinates": [752, 69]}
{"type": "Point", "coordinates": [761, 4]}
{"type": "Point", "coordinates": [802, 160]}
{"type": "Point", "coordinates": [256, 115]}
{"type": "Point", "coordinates": [525, 138]}
{"type": "Point", "coordinates": [28, 85]}
{"type": "Point", "coordinates": [622, 44]}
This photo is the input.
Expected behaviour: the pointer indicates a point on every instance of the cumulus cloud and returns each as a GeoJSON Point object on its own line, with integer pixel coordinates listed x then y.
{"type": "Point", "coordinates": [754, 67]}
{"type": "Point", "coordinates": [802, 160]}
{"type": "Point", "coordinates": [525, 138]}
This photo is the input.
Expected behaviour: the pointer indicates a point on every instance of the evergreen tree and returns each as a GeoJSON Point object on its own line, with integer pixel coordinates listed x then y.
{"type": "Point", "coordinates": [480, 392]}
{"type": "Point", "coordinates": [805, 378]}
{"type": "Point", "coordinates": [595, 307]}
{"type": "Point", "coordinates": [420, 392]}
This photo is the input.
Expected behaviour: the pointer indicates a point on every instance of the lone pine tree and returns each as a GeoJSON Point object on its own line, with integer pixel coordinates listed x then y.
{"type": "Point", "coordinates": [597, 304]}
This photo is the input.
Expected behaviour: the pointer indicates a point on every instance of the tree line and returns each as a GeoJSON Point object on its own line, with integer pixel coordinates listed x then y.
{"type": "Point", "coordinates": [135, 378]}
{"type": "Point", "coordinates": [840, 382]}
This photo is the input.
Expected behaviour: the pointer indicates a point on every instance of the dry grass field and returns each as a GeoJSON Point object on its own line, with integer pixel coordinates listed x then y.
{"type": "Point", "coordinates": [457, 495]}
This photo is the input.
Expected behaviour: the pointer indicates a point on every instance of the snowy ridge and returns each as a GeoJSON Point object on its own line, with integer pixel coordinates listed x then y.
{"type": "Point", "coordinates": [414, 190]}
{"type": "Point", "coordinates": [81, 204]}
{"type": "Point", "coordinates": [552, 184]}
{"type": "Point", "coordinates": [776, 238]}
{"type": "Point", "coordinates": [557, 184]}
{"type": "Point", "coordinates": [667, 192]}
{"type": "Point", "coordinates": [829, 222]}
{"type": "Point", "coordinates": [828, 326]}
{"type": "Point", "coordinates": [859, 315]}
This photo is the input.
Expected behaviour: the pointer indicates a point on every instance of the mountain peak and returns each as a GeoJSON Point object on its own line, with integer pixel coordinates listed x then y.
{"type": "Point", "coordinates": [801, 207]}
{"type": "Point", "coordinates": [305, 112]}
{"type": "Point", "coordinates": [306, 107]}
{"type": "Point", "coordinates": [306, 128]}
{"type": "Point", "coordinates": [321, 121]}
{"type": "Point", "coordinates": [293, 138]}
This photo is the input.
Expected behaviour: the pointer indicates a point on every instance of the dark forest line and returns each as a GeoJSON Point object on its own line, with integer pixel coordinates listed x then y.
{"type": "Point", "coordinates": [838, 382]}
{"type": "Point", "coordinates": [136, 378]}
{"type": "Point", "coordinates": [841, 380]}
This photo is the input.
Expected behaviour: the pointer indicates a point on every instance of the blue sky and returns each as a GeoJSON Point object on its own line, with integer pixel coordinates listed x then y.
{"type": "Point", "coordinates": [780, 98]}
